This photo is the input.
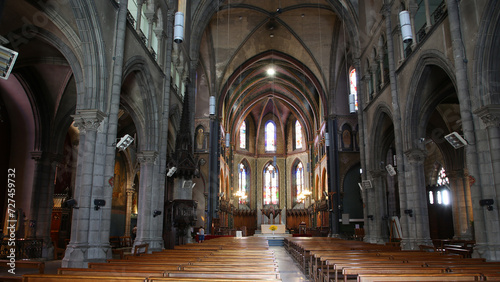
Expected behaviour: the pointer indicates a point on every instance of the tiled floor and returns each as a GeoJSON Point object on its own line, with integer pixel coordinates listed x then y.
{"type": "Point", "coordinates": [289, 270]}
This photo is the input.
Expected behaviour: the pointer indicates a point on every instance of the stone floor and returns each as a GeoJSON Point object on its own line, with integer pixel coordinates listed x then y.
{"type": "Point", "coordinates": [288, 268]}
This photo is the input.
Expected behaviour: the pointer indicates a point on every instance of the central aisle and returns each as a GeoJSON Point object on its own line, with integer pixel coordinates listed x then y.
{"type": "Point", "coordinates": [289, 270]}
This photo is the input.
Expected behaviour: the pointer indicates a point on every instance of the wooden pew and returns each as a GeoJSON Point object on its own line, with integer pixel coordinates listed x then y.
{"type": "Point", "coordinates": [208, 275]}
{"type": "Point", "coordinates": [36, 266]}
{"type": "Point", "coordinates": [125, 267]}
{"type": "Point", "coordinates": [111, 272]}
{"type": "Point", "coordinates": [78, 278]}
{"type": "Point", "coordinates": [356, 271]}
{"type": "Point", "coordinates": [418, 277]}
{"type": "Point", "coordinates": [211, 280]}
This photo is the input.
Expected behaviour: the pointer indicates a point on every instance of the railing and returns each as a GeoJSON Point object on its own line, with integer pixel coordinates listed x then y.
{"type": "Point", "coordinates": [439, 13]}
{"type": "Point", "coordinates": [25, 248]}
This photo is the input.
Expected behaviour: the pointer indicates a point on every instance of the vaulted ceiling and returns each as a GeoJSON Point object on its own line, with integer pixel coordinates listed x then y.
{"type": "Point", "coordinates": [295, 38]}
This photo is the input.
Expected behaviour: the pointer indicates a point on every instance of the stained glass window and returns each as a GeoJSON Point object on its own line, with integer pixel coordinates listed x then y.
{"type": "Point", "coordinates": [353, 91]}
{"type": "Point", "coordinates": [271, 189]}
{"type": "Point", "coordinates": [298, 135]}
{"type": "Point", "coordinates": [243, 184]}
{"type": "Point", "coordinates": [299, 177]}
{"type": "Point", "coordinates": [243, 135]}
{"type": "Point", "coordinates": [270, 136]}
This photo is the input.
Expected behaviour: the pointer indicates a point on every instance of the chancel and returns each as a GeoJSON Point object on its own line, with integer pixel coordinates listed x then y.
{"type": "Point", "coordinates": [260, 138]}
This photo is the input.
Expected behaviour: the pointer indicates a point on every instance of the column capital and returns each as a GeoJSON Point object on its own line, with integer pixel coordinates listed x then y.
{"type": "Point", "coordinates": [416, 155]}
{"type": "Point", "coordinates": [490, 114]}
{"type": "Point", "coordinates": [147, 157]}
{"type": "Point", "coordinates": [88, 119]}
{"type": "Point", "coordinates": [386, 9]}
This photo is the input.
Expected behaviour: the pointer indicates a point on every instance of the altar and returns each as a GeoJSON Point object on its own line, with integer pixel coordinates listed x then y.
{"type": "Point", "coordinates": [280, 229]}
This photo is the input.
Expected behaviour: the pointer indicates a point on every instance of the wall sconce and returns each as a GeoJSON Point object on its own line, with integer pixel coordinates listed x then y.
{"type": "Point", "coordinates": [370, 217]}
{"type": "Point", "coordinates": [179, 27]}
{"type": "Point", "coordinates": [156, 213]}
{"type": "Point", "coordinates": [228, 139]}
{"type": "Point", "coordinates": [488, 203]}
{"type": "Point", "coordinates": [211, 107]}
{"type": "Point", "coordinates": [124, 142]}
{"type": "Point", "coordinates": [455, 140]}
{"type": "Point", "coordinates": [409, 212]}
{"type": "Point", "coordinates": [404, 22]}
{"type": "Point", "coordinates": [99, 203]}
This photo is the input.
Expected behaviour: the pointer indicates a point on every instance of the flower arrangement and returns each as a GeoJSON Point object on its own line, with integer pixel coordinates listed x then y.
{"type": "Point", "coordinates": [273, 228]}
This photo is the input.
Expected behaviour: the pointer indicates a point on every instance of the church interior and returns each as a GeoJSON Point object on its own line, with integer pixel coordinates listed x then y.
{"type": "Point", "coordinates": [132, 123]}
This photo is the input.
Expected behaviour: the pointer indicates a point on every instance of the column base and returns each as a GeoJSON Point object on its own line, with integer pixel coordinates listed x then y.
{"type": "Point", "coordinates": [413, 244]}
{"type": "Point", "coordinates": [489, 252]}
{"type": "Point", "coordinates": [79, 256]}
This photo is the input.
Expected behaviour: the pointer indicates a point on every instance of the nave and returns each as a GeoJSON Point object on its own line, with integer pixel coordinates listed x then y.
{"type": "Point", "coordinates": [315, 259]}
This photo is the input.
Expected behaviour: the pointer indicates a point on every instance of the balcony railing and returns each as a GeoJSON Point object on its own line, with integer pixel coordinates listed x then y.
{"type": "Point", "coordinates": [25, 248]}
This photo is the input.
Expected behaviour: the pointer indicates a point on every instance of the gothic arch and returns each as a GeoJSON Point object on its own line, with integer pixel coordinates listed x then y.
{"type": "Point", "coordinates": [419, 106]}
{"type": "Point", "coordinates": [486, 68]}
{"type": "Point", "coordinates": [146, 114]}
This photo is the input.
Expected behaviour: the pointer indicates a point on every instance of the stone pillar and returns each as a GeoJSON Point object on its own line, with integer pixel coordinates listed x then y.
{"type": "Point", "coordinates": [380, 59]}
{"type": "Point", "coordinates": [427, 16]}
{"type": "Point", "coordinates": [150, 16]}
{"type": "Point", "coordinates": [462, 205]}
{"type": "Point", "coordinates": [42, 201]}
{"type": "Point", "coordinates": [148, 203]}
{"type": "Point", "coordinates": [373, 75]}
{"type": "Point", "coordinates": [160, 35]}
{"type": "Point", "coordinates": [138, 16]}
{"type": "Point", "coordinates": [413, 10]}
{"type": "Point", "coordinates": [415, 217]}
{"type": "Point", "coordinates": [88, 227]}
{"type": "Point", "coordinates": [377, 201]}
{"type": "Point", "coordinates": [130, 193]}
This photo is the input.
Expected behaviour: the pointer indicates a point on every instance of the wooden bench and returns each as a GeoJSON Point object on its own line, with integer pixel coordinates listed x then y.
{"type": "Point", "coordinates": [211, 280]}
{"type": "Point", "coordinates": [223, 274]}
{"type": "Point", "coordinates": [111, 272]}
{"type": "Point", "coordinates": [78, 278]}
{"type": "Point", "coordinates": [418, 277]}
{"type": "Point", "coordinates": [124, 267]}
{"type": "Point", "coordinates": [354, 271]}
{"type": "Point", "coordinates": [37, 266]}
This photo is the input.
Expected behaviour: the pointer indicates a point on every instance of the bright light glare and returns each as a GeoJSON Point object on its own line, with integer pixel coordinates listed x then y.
{"type": "Point", "coordinates": [271, 71]}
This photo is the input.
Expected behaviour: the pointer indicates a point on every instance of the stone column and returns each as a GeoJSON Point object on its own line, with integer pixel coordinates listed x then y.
{"type": "Point", "coordinates": [380, 59]}
{"type": "Point", "coordinates": [415, 217]}
{"type": "Point", "coordinates": [42, 201]}
{"type": "Point", "coordinates": [138, 16]}
{"type": "Point", "coordinates": [130, 193]}
{"type": "Point", "coordinates": [86, 243]}
{"type": "Point", "coordinates": [150, 16]}
{"type": "Point", "coordinates": [160, 35]}
{"type": "Point", "coordinates": [373, 72]}
{"type": "Point", "coordinates": [377, 200]}
{"type": "Point", "coordinates": [427, 16]}
{"type": "Point", "coordinates": [413, 7]}
{"type": "Point", "coordinates": [148, 203]}
{"type": "Point", "coordinates": [462, 205]}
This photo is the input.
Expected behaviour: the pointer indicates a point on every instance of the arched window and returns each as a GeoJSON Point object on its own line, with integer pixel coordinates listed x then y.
{"type": "Point", "coordinates": [243, 135]}
{"type": "Point", "coordinates": [440, 194]}
{"type": "Point", "coordinates": [271, 187]}
{"type": "Point", "coordinates": [242, 184]}
{"type": "Point", "coordinates": [353, 91]}
{"type": "Point", "coordinates": [299, 178]}
{"type": "Point", "coordinates": [298, 135]}
{"type": "Point", "coordinates": [270, 130]}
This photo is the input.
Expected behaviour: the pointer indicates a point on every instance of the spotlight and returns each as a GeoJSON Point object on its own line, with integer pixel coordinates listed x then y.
{"type": "Point", "coordinates": [455, 140]}
{"type": "Point", "coordinates": [124, 142]}
{"type": "Point", "coordinates": [171, 171]}
{"type": "Point", "coordinates": [99, 203]}
{"type": "Point", "coordinates": [7, 59]}
{"type": "Point", "coordinates": [156, 213]}
{"type": "Point", "coordinates": [271, 71]}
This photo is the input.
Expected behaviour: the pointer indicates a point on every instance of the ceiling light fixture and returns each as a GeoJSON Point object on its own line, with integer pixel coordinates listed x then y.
{"type": "Point", "coordinates": [271, 71]}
